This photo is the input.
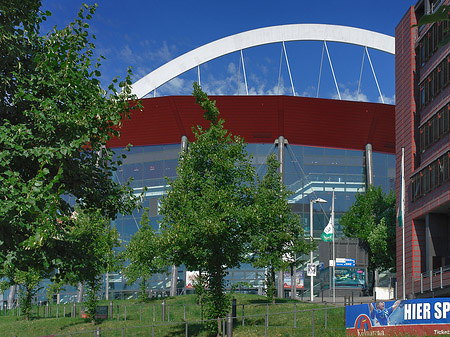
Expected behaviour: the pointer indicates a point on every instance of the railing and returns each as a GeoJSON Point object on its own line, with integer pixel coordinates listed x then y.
{"type": "Point", "coordinates": [264, 319]}
{"type": "Point", "coordinates": [432, 280]}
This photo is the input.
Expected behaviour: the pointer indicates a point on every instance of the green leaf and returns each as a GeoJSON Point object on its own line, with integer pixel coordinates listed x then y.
{"type": "Point", "coordinates": [441, 14]}
{"type": "Point", "coordinates": [55, 118]}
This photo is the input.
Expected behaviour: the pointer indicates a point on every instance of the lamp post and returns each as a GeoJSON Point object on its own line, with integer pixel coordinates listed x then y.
{"type": "Point", "coordinates": [311, 227]}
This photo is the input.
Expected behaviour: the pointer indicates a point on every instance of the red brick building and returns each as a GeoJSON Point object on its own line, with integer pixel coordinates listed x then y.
{"type": "Point", "coordinates": [422, 76]}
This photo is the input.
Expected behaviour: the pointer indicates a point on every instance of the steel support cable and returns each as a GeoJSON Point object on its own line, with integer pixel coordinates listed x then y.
{"type": "Point", "coordinates": [320, 70]}
{"type": "Point", "coordinates": [332, 70]}
{"type": "Point", "coordinates": [360, 74]}
{"type": "Point", "coordinates": [198, 75]}
{"type": "Point", "coordinates": [239, 74]}
{"type": "Point", "coordinates": [374, 75]}
{"type": "Point", "coordinates": [279, 72]}
{"type": "Point", "coordinates": [258, 37]}
{"type": "Point", "coordinates": [289, 69]}
{"type": "Point", "coordinates": [243, 72]}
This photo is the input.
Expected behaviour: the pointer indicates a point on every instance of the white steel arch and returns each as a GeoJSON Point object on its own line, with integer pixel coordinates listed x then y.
{"type": "Point", "coordinates": [257, 37]}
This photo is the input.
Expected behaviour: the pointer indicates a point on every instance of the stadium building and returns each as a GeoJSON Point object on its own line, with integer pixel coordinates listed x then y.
{"type": "Point", "coordinates": [323, 145]}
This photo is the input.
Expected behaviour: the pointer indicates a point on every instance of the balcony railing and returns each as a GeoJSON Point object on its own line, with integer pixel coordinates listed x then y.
{"type": "Point", "coordinates": [432, 280]}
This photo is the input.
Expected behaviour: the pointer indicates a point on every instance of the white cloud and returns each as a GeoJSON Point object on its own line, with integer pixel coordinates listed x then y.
{"type": "Point", "coordinates": [225, 82]}
{"type": "Point", "coordinates": [232, 69]}
{"type": "Point", "coordinates": [177, 86]}
{"type": "Point", "coordinates": [163, 53]}
{"type": "Point", "coordinates": [126, 52]}
{"type": "Point", "coordinates": [387, 99]}
{"type": "Point", "coordinates": [134, 55]}
{"type": "Point", "coordinates": [310, 91]}
{"type": "Point", "coordinates": [350, 95]}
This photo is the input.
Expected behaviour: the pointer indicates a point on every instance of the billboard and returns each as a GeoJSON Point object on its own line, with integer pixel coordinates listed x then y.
{"type": "Point", "coordinates": [418, 317]}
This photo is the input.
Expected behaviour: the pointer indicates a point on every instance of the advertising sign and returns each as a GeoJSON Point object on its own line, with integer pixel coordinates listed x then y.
{"type": "Point", "coordinates": [191, 278]}
{"type": "Point", "coordinates": [343, 262]}
{"type": "Point", "coordinates": [299, 282]}
{"type": "Point", "coordinates": [418, 317]}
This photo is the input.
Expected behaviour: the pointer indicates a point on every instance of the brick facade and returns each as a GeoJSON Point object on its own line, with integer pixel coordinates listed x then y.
{"type": "Point", "coordinates": [404, 137]}
{"type": "Point", "coordinates": [426, 218]}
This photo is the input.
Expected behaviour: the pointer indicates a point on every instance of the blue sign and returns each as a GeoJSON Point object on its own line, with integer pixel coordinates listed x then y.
{"type": "Point", "coordinates": [419, 317]}
{"type": "Point", "coordinates": [341, 262]}
{"type": "Point", "coordinates": [321, 266]}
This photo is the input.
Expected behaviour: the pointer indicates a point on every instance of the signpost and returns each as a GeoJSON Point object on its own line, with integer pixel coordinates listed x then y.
{"type": "Point", "coordinates": [311, 269]}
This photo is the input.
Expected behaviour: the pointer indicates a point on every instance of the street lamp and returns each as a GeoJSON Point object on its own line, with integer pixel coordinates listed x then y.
{"type": "Point", "coordinates": [311, 227]}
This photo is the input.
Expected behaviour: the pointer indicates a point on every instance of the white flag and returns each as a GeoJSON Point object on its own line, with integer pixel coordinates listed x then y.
{"type": "Point", "coordinates": [327, 234]}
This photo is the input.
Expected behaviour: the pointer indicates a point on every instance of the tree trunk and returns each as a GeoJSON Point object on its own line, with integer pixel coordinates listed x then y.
{"type": "Point", "coordinates": [173, 283]}
{"type": "Point", "coordinates": [218, 307]}
{"type": "Point", "coordinates": [143, 294]}
{"type": "Point", "coordinates": [372, 272]}
{"type": "Point", "coordinates": [80, 292]}
{"type": "Point", "coordinates": [272, 276]}
{"type": "Point", "coordinates": [11, 296]}
{"type": "Point", "coordinates": [92, 315]}
{"type": "Point", "coordinates": [217, 296]}
{"type": "Point", "coordinates": [27, 301]}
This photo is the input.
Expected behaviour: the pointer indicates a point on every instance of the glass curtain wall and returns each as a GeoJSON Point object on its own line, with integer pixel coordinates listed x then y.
{"type": "Point", "coordinates": [310, 172]}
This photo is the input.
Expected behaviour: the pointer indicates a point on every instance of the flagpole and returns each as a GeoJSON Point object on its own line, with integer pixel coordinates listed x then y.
{"type": "Point", "coordinates": [402, 201]}
{"type": "Point", "coordinates": [334, 257]}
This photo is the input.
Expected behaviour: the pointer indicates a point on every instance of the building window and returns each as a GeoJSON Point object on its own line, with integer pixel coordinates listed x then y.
{"type": "Point", "coordinates": [429, 43]}
{"type": "Point", "coordinates": [434, 83]}
{"type": "Point", "coordinates": [431, 177]}
{"type": "Point", "coordinates": [435, 128]}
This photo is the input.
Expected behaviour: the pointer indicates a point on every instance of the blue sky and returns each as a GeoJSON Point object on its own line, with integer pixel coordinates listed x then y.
{"type": "Point", "coordinates": [147, 34]}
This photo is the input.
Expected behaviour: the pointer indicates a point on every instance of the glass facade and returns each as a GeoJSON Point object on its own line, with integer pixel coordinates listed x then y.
{"type": "Point", "coordinates": [345, 277]}
{"type": "Point", "coordinates": [309, 172]}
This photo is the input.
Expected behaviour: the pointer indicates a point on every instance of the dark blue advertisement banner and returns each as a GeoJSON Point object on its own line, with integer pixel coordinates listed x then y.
{"type": "Point", "coordinates": [419, 317]}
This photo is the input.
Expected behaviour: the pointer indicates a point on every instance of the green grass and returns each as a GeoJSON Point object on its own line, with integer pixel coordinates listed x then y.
{"type": "Point", "coordinates": [144, 318]}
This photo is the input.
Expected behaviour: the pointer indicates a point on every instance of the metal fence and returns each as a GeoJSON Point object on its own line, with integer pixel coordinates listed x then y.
{"type": "Point", "coordinates": [432, 280]}
{"type": "Point", "coordinates": [162, 319]}
{"type": "Point", "coordinates": [310, 322]}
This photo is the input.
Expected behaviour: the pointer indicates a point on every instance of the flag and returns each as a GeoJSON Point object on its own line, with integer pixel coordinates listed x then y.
{"type": "Point", "coordinates": [327, 234]}
{"type": "Point", "coordinates": [399, 215]}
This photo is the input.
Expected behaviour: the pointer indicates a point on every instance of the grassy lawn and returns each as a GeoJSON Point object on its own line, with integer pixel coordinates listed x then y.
{"type": "Point", "coordinates": [134, 318]}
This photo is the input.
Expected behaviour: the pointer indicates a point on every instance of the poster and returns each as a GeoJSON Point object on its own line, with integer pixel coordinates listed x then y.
{"type": "Point", "coordinates": [191, 278]}
{"type": "Point", "coordinates": [419, 317]}
{"type": "Point", "coordinates": [300, 282]}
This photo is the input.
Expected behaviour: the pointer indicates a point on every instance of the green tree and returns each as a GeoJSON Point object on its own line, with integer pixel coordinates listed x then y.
{"type": "Point", "coordinates": [28, 286]}
{"type": "Point", "coordinates": [207, 209]}
{"type": "Point", "coordinates": [55, 119]}
{"type": "Point", "coordinates": [144, 256]}
{"type": "Point", "coordinates": [277, 235]}
{"type": "Point", "coordinates": [371, 219]}
{"type": "Point", "coordinates": [91, 244]}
